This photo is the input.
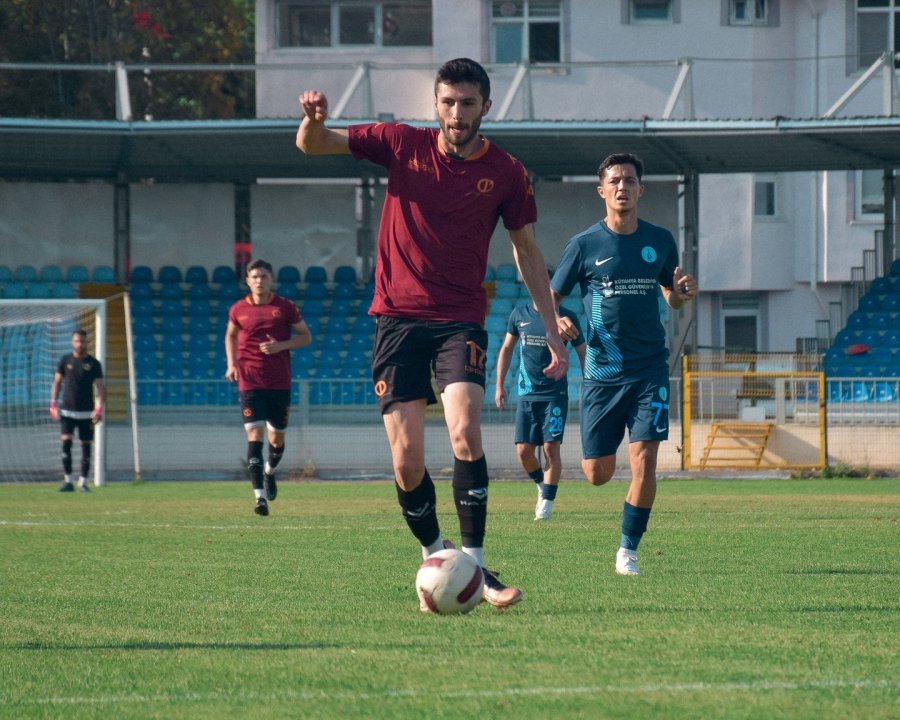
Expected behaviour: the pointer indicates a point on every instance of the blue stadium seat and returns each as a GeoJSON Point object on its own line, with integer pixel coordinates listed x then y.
{"type": "Point", "coordinates": [360, 342]}
{"type": "Point", "coordinates": [141, 291]}
{"type": "Point", "coordinates": [25, 273]}
{"type": "Point", "coordinates": [144, 348]}
{"type": "Point", "coordinates": [143, 325]}
{"type": "Point", "coordinates": [315, 291]}
{"type": "Point", "coordinates": [196, 274]}
{"type": "Point", "coordinates": [345, 274]}
{"type": "Point", "coordinates": [313, 308]}
{"type": "Point", "coordinates": [5, 274]}
{"type": "Point", "coordinates": [891, 303]}
{"type": "Point", "coordinates": [506, 289]}
{"type": "Point", "coordinates": [223, 274]}
{"type": "Point", "coordinates": [171, 344]}
{"type": "Point", "coordinates": [171, 308]}
{"type": "Point", "coordinates": [200, 308]}
{"type": "Point", "coordinates": [142, 308]}
{"type": "Point", "coordinates": [40, 290]}
{"type": "Point", "coordinates": [344, 291]}
{"type": "Point", "coordinates": [341, 308]}
{"type": "Point", "coordinates": [200, 325]}
{"type": "Point", "coordinates": [172, 325]}
{"type": "Point", "coordinates": [289, 291]}
{"type": "Point", "coordinates": [64, 291]}
{"type": "Point", "coordinates": [103, 274]}
{"type": "Point", "coordinates": [288, 274]}
{"type": "Point", "coordinates": [857, 321]}
{"type": "Point", "coordinates": [51, 274]}
{"type": "Point", "coordinates": [200, 291]}
{"type": "Point", "coordinates": [489, 273]}
{"type": "Point", "coordinates": [869, 302]}
{"type": "Point", "coordinates": [506, 271]}
{"type": "Point", "coordinates": [895, 267]}
{"type": "Point", "coordinates": [141, 274]}
{"type": "Point", "coordinates": [229, 292]}
{"type": "Point", "coordinates": [332, 342]}
{"type": "Point", "coordinates": [315, 274]}
{"type": "Point", "coordinates": [148, 394]}
{"type": "Point", "coordinates": [77, 273]}
{"type": "Point", "coordinates": [15, 290]}
{"type": "Point", "coordinates": [502, 307]}
{"type": "Point", "coordinates": [145, 363]}
{"type": "Point", "coordinates": [886, 391]}
{"type": "Point", "coordinates": [168, 274]}
{"type": "Point", "coordinates": [496, 324]}
{"type": "Point", "coordinates": [171, 291]}
{"type": "Point", "coordinates": [199, 346]}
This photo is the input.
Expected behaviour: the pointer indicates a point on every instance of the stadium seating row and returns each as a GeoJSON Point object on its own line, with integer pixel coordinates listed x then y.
{"type": "Point", "coordinates": [18, 290]}
{"type": "Point", "coordinates": [55, 274]}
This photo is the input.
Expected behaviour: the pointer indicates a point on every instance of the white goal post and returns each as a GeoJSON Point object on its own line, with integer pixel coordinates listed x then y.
{"type": "Point", "coordinates": [34, 335]}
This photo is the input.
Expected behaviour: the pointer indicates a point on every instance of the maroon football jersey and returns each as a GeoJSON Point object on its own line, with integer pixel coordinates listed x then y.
{"type": "Point", "coordinates": [255, 323]}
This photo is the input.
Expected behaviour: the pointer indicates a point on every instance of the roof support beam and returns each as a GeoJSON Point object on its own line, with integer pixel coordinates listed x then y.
{"type": "Point", "coordinates": [885, 63]}
{"type": "Point", "coordinates": [360, 77]}
{"type": "Point", "coordinates": [683, 85]}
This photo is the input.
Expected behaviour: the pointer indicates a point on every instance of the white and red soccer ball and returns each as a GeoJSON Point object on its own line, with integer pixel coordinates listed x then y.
{"type": "Point", "coordinates": [450, 582]}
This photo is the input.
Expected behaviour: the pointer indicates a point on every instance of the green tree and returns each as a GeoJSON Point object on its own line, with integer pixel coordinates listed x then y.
{"type": "Point", "coordinates": [103, 32]}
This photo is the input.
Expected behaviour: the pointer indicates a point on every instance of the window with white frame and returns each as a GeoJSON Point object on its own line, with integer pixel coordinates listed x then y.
{"type": "Point", "coordinates": [877, 30]}
{"type": "Point", "coordinates": [764, 197]}
{"type": "Point", "coordinates": [652, 11]}
{"type": "Point", "coordinates": [749, 12]}
{"type": "Point", "coordinates": [526, 30]}
{"type": "Point", "coordinates": [360, 23]}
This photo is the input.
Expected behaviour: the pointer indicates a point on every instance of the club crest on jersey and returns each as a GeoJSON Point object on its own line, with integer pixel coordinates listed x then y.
{"type": "Point", "coordinates": [484, 186]}
{"type": "Point", "coordinates": [276, 312]}
{"type": "Point", "coordinates": [648, 254]}
{"type": "Point", "coordinates": [606, 286]}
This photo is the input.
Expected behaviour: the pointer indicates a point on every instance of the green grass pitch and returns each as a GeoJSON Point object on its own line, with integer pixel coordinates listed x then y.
{"type": "Point", "coordinates": [757, 599]}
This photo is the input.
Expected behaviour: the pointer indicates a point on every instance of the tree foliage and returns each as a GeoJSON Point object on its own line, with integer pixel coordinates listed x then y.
{"type": "Point", "coordinates": [103, 32]}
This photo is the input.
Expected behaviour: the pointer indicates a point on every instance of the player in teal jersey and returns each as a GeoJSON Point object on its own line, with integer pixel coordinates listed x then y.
{"type": "Point", "coordinates": [620, 266]}
{"type": "Point", "coordinates": [543, 403]}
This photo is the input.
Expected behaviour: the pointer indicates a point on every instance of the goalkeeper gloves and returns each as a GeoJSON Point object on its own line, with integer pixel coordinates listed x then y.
{"type": "Point", "coordinates": [98, 413]}
{"type": "Point", "coordinates": [54, 413]}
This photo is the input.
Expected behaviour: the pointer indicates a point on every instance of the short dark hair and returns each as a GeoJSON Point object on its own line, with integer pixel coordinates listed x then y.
{"type": "Point", "coordinates": [257, 264]}
{"type": "Point", "coordinates": [621, 159]}
{"type": "Point", "coordinates": [464, 70]}
{"type": "Point", "coordinates": [80, 331]}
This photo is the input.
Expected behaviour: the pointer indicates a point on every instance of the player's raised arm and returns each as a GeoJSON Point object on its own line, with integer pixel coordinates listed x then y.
{"type": "Point", "coordinates": [533, 268]}
{"type": "Point", "coordinates": [313, 137]}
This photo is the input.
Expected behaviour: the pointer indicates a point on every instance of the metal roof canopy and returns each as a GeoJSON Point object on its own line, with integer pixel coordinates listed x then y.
{"type": "Point", "coordinates": [240, 151]}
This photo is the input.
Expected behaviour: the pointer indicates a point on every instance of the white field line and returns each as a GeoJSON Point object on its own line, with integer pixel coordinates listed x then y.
{"type": "Point", "coordinates": [171, 526]}
{"type": "Point", "coordinates": [432, 694]}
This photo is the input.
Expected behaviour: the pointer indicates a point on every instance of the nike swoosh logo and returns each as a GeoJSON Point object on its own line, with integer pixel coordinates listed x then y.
{"type": "Point", "coordinates": [600, 262]}
{"type": "Point", "coordinates": [661, 429]}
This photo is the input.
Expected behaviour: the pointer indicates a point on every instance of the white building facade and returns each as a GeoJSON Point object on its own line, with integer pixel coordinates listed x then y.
{"type": "Point", "coordinates": [773, 249]}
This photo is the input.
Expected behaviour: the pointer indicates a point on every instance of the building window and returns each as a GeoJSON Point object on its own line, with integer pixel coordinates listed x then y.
{"type": "Point", "coordinates": [311, 23]}
{"type": "Point", "coordinates": [877, 30]}
{"type": "Point", "coordinates": [740, 323]}
{"type": "Point", "coordinates": [651, 11]}
{"type": "Point", "coordinates": [764, 197]}
{"type": "Point", "coordinates": [869, 195]}
{"type": "Point", "coordinates": [748, 12]}
{"type": "Point", "coordinates": [528, 30]}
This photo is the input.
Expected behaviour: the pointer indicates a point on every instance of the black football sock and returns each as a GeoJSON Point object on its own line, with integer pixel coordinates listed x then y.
{"type": "Point", "coordinates": [419, 510]}
{"type": "Point", "coordinates": [275, 454]}
{"type": "Point", "coordinates": [470, 493]}
{"type": "Point", "coordinates": [255, 463]}
{"type": "Point", "coordinates": [85, 459]}
{"type": "Point", "coordinates": [67, 457]}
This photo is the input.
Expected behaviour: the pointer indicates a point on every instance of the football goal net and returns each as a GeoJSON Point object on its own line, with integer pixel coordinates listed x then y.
{"type": "Point", "coordinates": [34, 336]}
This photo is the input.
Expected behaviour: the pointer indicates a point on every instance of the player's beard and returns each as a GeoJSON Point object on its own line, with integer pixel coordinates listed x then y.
{"type": "Point", "coordinates": [465, 139]}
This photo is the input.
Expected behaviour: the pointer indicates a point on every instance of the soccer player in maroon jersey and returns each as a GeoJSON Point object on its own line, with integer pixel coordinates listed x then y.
{"type": "Point", "coordinates": [258, 342]}
{"type": "Point", "coordinates": [447, 189]}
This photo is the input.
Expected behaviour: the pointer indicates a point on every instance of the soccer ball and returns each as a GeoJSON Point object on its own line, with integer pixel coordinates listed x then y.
{"type": "Point", "coordinates": [450, 582]}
